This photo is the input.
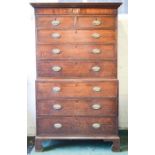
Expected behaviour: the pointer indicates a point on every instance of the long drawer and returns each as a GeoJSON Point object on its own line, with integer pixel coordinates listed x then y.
{"type": "Point", "coordinates": [76, 126]}
{"type": "Point", "coordinates": [79, 52]}
{"type": "Point", "coordinates": [75, 11]}
{"type": "Point", "coordinates": [70, 22]}
{"type": "Point", "coordinates": [77, 107]}
{"type": "Point", "coordinates": [48, 89]}
{"type": "Point", "coordinates": [75, 36]}
{"type": "Point", "coordinates": [75, 69]}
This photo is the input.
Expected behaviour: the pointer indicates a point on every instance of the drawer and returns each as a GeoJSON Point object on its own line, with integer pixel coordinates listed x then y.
{"type": "Point", "coordinates": [73, 69]}
{"type": "Point", "coordinates": [76, 52]}
{"type": "Point", "coordinates": [96, 22]}
{"type": "Point", "coordinates": [78, 107]}
{"type": "Point", "coordinates": [76, 126]}
{"type": "Point", "coordinates": [68, 22]}
{"type": "Point", "coordinates": [75, 36]}
{"type": "Point", "coordinates": [54, 22]}
{"type": "Point", "coordinates": [74, 11]}
{"type": "Point", "coordinates": [48, 89]}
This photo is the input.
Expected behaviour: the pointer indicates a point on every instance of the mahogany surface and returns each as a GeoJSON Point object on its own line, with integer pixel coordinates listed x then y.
{"type": "Point", "coordinates": [76, 52]}
{"type": "Point", "coordinates": [77, 69]}
{"type": "Point", "coordinates": [74, 100]}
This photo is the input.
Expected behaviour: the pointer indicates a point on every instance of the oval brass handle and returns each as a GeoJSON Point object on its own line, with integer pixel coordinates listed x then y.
{"type": "Point", "coordinates": [56, 51]}
{"type": "Point", "coordinates": [57, 125]}
{"type": "Point", "coordinates": [55, 35]}
{"type": "Point", "coordinates": [96, 68]}
{"type": "Point", "coordinates": [96, 22]}
{"type": "Point", "coordinates": [56, 89]}
{"type": "Point", "coordinates": [56, 68]}
{"type": "Point", "coordinates": [96, 35]}
{"type": "Point", "coordinates": [96, 89]}
{"type": "Point", "coordinates": [55, 22]}
{"type": "Point", "coordinates": [96, 106]}
{"type": "Point", "coordinates": [57, 106]}
{"type": "Point", "coordinates": [96, 51]}
{"type": "Point", "coordinates": [96, 125]}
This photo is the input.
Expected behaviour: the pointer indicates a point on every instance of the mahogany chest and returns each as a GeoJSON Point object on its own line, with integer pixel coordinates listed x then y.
{"type": "Point", "coordinates": [76, 59]}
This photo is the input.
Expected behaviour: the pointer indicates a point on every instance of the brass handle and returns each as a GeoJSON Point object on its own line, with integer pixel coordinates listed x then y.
{"type": "Point", "coordinates": [56, 68]}
{"type": "Point", "coordinates": [57, 106]}
{"type": "Point", "coordinates": [96, 125]}
{"type": "Point", "coordinates": [56, 89]}
{"type": "Point", "coordinates": [96, 68]}
{"type": "Point", "coordinates": [96, 106]}
{"type": "Point", "coordinates": [96, 89]}
{"type": "Point", "coordinates": [96, 51]}
{"type": "Point", "coordinates": [96, 22]}
{"type": "Point", "coordinates": [55, 22]}
{"type": "Point", "coordinates": [96, 35]}
{"type": "Point", "coordinates": [57, 125]}
{"type": "Point", "coordinates": [56, 51]}
{"type": "Point", "coordinates": [55, 35]}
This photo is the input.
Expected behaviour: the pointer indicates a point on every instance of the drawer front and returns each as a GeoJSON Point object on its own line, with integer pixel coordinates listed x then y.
{"type": "Point", "coordinates": [75, 36]}
{"type": "Point", "coordinates": [74, 11]}
{"type": "Point", "coordinates": [75, 107]}
{"type": "Point", "coordinates": [73, 88]}
{"type": "Point", "coordinates": [69, 69]}
{"type": "Point", "coordinates": [54, 22]}
{"type": "Point", "coordinates": [96, 22]}
{"type": "Point", "coordinates": [76, 126]}
{"type": "Point", "coordinates": [76, 52]}
{"type": "Point", "coordinates": [80, 22]}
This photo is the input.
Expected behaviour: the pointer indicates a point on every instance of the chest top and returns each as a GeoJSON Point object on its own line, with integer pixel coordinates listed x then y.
{"type": "Point", "coordinates": [75, 8]}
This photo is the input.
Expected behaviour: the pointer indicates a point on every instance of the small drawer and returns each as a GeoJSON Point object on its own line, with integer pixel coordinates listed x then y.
{"type": "Point", "coordinates": [49, 89]}
{"type": "Point", "coordinates": [96, 22]}
{"type": "Point", "coordinates": [75, 69]}
{"type": "Point", "coordinates": [75, 36]}
{"type": "Point", "coordinates": [54, 22]}
{"type": "Point", "coordinates": [76, 52]}
{"type": "Point", "coordinates": [76, 126]}
{"type": "Point", "coordinates": [77, 107]}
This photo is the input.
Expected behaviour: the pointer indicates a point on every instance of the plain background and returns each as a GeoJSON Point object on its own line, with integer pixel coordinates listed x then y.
{"type": "Point", "coordinates": [13, 80]}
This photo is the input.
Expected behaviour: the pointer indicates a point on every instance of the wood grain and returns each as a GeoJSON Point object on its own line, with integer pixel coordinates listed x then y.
{"type": "Point", "coordinates": [76, 89]}
{"type": "Point", "coordinates": [76, 52]}
{"type": "Point", "coordinates": [72, 11]}
{"type": "Point", "coordinates": [70, 22]}
{"type": "Point", "coordinates": [87, 22]}
{"type": "Point", "coordinates": [76, 126]}
{"type": "Point", "coordinates": [76, 80]}
{"type": "Point", "coordinates": [77, 107]}
{"type": "Point", "coordinates": [76, 69]}
{"type": "Point", "coordinates": [75, 36]}
{"type": "Point", "coordinates": [44, 22]}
